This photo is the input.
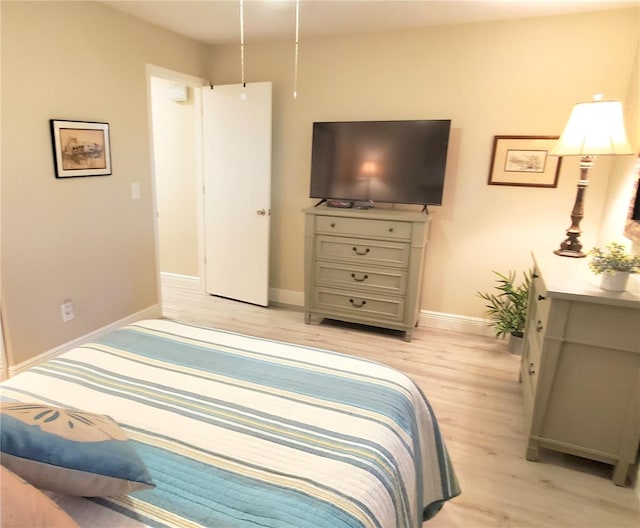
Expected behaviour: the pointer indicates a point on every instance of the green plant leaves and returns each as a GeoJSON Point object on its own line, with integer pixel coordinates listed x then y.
{"type": "Point", "coordinates": [508, 308]}
{"type": "Point", "coordinates": [614, 257]}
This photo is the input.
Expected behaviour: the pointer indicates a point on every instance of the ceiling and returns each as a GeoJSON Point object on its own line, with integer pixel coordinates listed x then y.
{"type": "Point", "coordinates": [218, 21]}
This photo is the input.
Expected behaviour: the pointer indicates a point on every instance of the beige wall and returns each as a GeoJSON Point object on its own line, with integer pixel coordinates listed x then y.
{"type": "Point", "coordinates": [87, 240]}
{"type": "Point", "coordinates": [175, 166]}
{"type": "Point", "coordinates": [81, 238]}
{"type": "Point", "coordinates": [499, 78]}
{"type": "Point", "coordinates": [623, 178]}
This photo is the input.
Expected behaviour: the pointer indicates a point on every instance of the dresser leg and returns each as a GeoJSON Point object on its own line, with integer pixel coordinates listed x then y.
{"type": "Point", "coordinates": [408, 335]}
{"type": "Point", "coordinates": [620, 471]}
{"type": "Point", "coordinates": [532, 452]}
{"type": "Point", "coordinates": [307, 318]}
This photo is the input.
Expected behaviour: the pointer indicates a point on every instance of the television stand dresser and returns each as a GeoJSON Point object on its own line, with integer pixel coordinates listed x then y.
{"type": "Point", "coordinates": [581, 365]}
{"type": "Point", "coordinates": [365, 266]}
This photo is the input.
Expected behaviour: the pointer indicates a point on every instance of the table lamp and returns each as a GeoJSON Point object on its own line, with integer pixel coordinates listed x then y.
{"type": "Point", "coordinates": [595, 128]}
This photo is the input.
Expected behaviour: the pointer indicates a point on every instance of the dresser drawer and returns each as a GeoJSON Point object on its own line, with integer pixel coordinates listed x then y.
{"type": "Point", "coordinates": [363, 251]}
{"type": "Point", "coordinates": [537, 322]}
{"type": "Point", "coordinates": [537, 282]}
{"type": "Point", "coordinates": [529, 368]}
{"type": "Point", "coordinates": [362, 227]}
{"type": "Point", "coordinates": [365, 266]}
{"type": "Point", "coordinates": [359, 304]}
{"type": "Point", "coordinates": [331, 274]}
{"type": "Point", "coordinates": [531, 359]}
{"type": "Point", "coordinates": [528, 389]}
{"type": "Point", "coordinates": [541, 313]}
{"type": "Point", "coordinates": [541, 304]}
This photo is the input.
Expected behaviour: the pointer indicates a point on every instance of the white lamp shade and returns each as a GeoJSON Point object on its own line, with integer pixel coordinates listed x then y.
{"type": "Point", "coordinates": [594, 128]}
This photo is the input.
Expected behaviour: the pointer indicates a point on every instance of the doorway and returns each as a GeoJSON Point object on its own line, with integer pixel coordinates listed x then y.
{"type": "Point", "coordinates": [175, 107]}
{"type": "Point", "coordinates": [191, 245]}
{"type": "Point", "coordinates": [176, 129]}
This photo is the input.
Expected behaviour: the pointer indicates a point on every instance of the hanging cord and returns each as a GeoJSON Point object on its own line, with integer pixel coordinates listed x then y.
{"type": "Point", "coordinates": [295, 60]}
{"type": "Point", "coordinates": [243, 95]}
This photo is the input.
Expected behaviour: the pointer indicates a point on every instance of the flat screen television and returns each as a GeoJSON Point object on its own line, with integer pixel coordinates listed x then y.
{"type": "Point", "coordinates": [381, 161]}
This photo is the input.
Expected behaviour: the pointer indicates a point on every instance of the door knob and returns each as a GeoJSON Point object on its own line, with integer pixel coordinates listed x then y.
{"type": "Point", "coordinates": [261, 212]}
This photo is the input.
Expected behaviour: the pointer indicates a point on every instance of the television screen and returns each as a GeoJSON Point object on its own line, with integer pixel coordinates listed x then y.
{"type": "Point", "coordinates": [382, 161]}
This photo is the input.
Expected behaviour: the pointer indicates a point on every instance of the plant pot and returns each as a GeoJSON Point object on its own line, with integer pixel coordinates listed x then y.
{"type": "Point", "coordinates": [516, 344]}
{"type": "Point", "coordinates": [614, 281]}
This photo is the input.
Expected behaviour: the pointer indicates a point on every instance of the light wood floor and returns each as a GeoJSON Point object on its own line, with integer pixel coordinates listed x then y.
{"type": "Point", "coordinates": [472, 384]}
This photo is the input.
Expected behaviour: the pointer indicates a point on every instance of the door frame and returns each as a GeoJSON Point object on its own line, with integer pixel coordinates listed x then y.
{"type": "Point", "coordinates": [196, 83]}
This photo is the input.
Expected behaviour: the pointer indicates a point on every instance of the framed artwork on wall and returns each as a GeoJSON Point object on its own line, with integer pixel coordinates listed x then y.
{"type": "Point", "coordinates": [524, 161]}
{"type": "Point", "coordinates": [80, 148]}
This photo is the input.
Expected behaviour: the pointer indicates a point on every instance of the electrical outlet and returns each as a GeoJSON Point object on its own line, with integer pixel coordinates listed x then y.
{"type": "Point", "coordinates": [67, 311]}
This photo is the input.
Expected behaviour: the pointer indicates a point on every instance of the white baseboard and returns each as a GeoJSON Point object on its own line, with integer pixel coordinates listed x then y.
{"type": "Point", "coordinates": [445, 321]}
{"type": "Point", "coordinates": [276, 296]}
{"type": "Point", "coordinates": [458, 323]}
{"type": "Point", "coordinates": [286, 297]}
{"type": "Point", "coordinates": [152, 312]}
{"type": "Point", "coordinates": [185, 281]}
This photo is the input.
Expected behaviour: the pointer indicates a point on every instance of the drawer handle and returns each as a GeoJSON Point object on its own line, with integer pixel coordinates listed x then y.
{"type": "Point", "coordinates": [536, 276]}
{"type": "Point", "coordinates": [531, 369]}
{"type": "Point", "coordinates": [357, 252]}
{"type": "Point", "coordinates": [361, 279]}
{"type": "Point", "coordinates": [391, 230]}
{"type": "Point", "coordinates": [332, 224]}
{"type": "Point", "coordinates": [356, 304]}
{"type": "Point", "coordinates": [541, 297]}
{"type": "Point", "coordinates": [539, 326]}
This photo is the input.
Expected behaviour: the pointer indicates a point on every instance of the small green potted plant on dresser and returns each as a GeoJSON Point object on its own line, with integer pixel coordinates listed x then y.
{"type": "Point", "coordinates": [615, 264]}
{"type": "Point", "coordinates": [507, 309]}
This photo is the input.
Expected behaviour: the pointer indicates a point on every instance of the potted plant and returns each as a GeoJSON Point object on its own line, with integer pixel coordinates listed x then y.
{"type": "Point", "coordinates": [508, 308]}
{"type": "Point", "coordinates": [615, 264]}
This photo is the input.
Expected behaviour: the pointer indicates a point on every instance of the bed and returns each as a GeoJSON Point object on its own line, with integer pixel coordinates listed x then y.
{"type": "Point", "coordinates": [238, 431]}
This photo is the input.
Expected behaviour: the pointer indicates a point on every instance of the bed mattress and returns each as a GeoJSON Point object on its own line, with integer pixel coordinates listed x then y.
{"type": "Point", "coordinates": [238, 431]}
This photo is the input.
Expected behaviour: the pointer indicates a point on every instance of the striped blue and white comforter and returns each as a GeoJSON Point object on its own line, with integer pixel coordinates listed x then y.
{"type": "Point", "coordinates": [239, 431]}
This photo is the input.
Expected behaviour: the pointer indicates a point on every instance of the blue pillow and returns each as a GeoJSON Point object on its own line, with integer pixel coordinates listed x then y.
{"type": "Point", "coordinates": [70, 452]}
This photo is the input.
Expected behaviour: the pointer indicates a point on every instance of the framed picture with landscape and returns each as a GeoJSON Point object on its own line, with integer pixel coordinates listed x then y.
{"type": "Point", "coordinates": [80, 148]}
{"type": "Point", "coordinates": [524, 161]}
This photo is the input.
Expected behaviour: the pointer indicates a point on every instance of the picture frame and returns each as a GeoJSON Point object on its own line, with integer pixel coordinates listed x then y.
{"type": "Point", "coordinates": [524, 161]}
{"type": "Point", "coordinates": [80, 148]}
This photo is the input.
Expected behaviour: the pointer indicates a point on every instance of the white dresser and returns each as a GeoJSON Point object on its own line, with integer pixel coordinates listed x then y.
{"type": "Point", "coordinates": [365, 266]}
{"type": "Point", "coordinates": [581, 365]}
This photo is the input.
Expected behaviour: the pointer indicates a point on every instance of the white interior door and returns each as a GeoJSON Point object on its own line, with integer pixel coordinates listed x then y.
{"type": "Point", "coordinates": [237, 196]}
